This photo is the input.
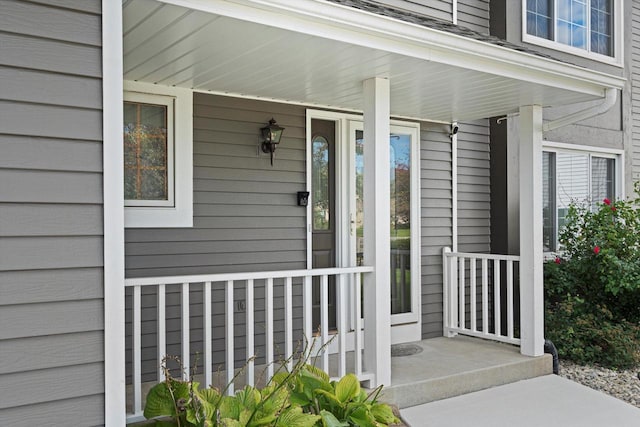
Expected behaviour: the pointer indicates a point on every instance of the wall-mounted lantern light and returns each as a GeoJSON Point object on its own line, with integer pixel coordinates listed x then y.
{"type": "Point", "coordinates": [271, 135]}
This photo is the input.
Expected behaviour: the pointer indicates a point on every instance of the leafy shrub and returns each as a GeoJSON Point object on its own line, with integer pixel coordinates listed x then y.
{"type": "Point", "coordinates": [592, 291]}
{"type": "Point", "coordinates": [588, 334]}
{"type": "Point", "coordinates": [601, 257]}
{"type": "Point", "coordinates": [304, 397]}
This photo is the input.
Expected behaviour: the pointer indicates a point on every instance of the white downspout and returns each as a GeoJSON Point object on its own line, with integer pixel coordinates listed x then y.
{"type": "Point", "coordinates": [609, 100]}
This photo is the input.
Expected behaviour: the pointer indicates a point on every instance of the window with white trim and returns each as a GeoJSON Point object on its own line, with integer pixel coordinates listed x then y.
{"type": "Point", "coordinates": [585, 27]}
{"type": "Point", "coordinates": [573, 176]}
{"type": "Point", "coordinates": [158, 156]}
{"type": "Point", "coordinates": [148, 150]}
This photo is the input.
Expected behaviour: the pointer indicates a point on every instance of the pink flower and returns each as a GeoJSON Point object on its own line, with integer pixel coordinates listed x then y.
{"type": "Point", "coordinates": [557, 260]}
{"type": "Point", "coordinates": [596, 250]}
{"type": "Point", "coordinates": [613, 209]}
{"type": "Point", "coordinates": [606, 201]}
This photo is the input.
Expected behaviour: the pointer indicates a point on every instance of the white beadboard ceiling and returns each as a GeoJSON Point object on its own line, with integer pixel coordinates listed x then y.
{"type": "Point", "coordinates": [175, 46]}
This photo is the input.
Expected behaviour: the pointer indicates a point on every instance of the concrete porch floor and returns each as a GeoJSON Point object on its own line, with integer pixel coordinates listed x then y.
{"type": "Point", "coordinates": [448, 367]}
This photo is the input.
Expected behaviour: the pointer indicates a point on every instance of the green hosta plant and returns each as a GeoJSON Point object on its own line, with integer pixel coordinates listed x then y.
{"type": "Point", "coordinates": [186, 405]}
{"type": "Point", "coordinates": [339, 403]}
{"type": "Point", "coordinates": [303, 397]}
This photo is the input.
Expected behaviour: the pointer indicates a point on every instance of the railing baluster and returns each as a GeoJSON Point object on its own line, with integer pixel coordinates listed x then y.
{"type": "Point", "coordinates": [403, 278]}
{"type": "Point", "coordinates": [162, 331]}
{"type": "Point", "coordinates": [394, 278]}
{"type": "Point", "coordinates": [324, 319]}
{"type": "Point", "coordinates": [510, 299]}
{"type": "Point", "coordinates": [485, 297]}
{"type": "Point", "coordinates": [473, 305]}
{"type": "Point", "coordinates": [497, 316]}
{"type": "Point", "coordinates": [288, 322]}
{"type": "Point", "coordinates": [348, 289]}
{"type": "Point", "coordinates": [342, 324]}
{"type": "Point", "coordinates": [137, 350]}
{"type": "Point", "coordinates": [250, 332]}
{"type": "Point", "coordinates": [229, 360]}
{"type": "Point", "coordinates": [186, 359]}
{"type": "Point", "coordinates": [307, 307]}
{"type": "Point", "coordinates": [269, 325]}
{"type": "Point", "coordinates": [208, 356]}
{"type": "Point", "coordinates": [358, 328]}
{"type": "Point", "coordinates": [446, 290]}
{"type": "Point", "coordinates": [454, 294]}
{"type": "Point", "coordinates": [461, 294]}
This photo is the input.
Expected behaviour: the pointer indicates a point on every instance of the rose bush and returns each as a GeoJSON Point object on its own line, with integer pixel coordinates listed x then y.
{"type": "Point", "coordinates": [596, 281]}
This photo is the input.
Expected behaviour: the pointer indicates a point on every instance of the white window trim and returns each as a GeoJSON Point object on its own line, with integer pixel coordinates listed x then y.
{"type": "Point", "coordinates": [180, 211]}
{"type": "Point", "coordinates": [609, 153]}
{"type": "Point", "coordinates": [618, 35]}
{"type": "Point", "coordinates": [168, 102]}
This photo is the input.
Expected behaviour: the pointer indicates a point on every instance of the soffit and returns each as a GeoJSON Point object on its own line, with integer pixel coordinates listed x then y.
{"type": "Point", "coordinates": [174, 45]}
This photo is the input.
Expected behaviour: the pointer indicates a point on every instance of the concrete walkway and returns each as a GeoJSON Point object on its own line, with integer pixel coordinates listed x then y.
{"type": "Point", "coordinates": [544, 401]}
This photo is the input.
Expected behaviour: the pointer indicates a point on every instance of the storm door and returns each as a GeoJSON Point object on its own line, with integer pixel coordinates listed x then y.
{"type": "Point", "coordinates": [404, 218]}
{"type": "Point", "coordinates": [335, 215]}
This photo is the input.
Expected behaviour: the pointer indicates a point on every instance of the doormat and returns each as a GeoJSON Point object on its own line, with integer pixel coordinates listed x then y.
{"type": "Point", "coordinates": [400, 350]}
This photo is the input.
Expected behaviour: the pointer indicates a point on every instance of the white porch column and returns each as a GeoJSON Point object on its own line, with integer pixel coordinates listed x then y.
{"type": "Point", "coordinates": [376, 187]}
{"type": "Point", "coordinates": [531, 249]}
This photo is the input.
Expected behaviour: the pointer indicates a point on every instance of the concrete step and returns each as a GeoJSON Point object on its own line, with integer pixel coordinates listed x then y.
{"type": "Point", "coordinates": [448, 367]}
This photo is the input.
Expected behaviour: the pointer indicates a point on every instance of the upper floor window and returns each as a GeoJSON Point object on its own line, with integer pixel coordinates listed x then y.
{"type": "Point", "coordinates": [584, 27]}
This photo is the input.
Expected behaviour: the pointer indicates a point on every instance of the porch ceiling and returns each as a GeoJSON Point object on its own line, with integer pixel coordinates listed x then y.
{"type": "Point", "coordinates": [226, 48]}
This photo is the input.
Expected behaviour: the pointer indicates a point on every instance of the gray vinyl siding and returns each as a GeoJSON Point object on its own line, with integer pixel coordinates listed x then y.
{"type": "Point", "coordinates": [474, 191]}
{"type": "Point", "coordinates": [51, 256]}
{"type": "Point", "coordinates": [634, 64]}
{"type": "Point", "coordinates": [246, 219]}
{"type": "Point", "coordinates": [474, 14]}
{"type": "Point", "coordinates": [246, 216]}
{"type": "Point", "coordinates": [436, 226]}
{"type": "Point", "coordinates": [439, 9]}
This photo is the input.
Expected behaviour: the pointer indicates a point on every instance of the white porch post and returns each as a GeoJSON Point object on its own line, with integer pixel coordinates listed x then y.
{"type": "Point", "coordinates": [531, 257]}
{"type": "Point", "coordinates": [376, 187]}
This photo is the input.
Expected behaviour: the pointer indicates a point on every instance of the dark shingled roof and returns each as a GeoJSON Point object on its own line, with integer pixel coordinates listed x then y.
{"type": "Point", "coordinates": [436, 24]}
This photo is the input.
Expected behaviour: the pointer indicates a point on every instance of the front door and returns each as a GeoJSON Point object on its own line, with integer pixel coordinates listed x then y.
{"type": "Point", "coordinates": [323, 222]}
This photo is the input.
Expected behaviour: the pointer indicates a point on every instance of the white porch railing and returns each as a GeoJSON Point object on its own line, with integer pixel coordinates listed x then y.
{"type": "Point", "coordinates": [348, 318]}
{"type": "Point", "coordinates": [476, 310]}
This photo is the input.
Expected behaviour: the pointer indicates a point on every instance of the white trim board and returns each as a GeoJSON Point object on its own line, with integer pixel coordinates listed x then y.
{"type": "Point", "coordinates": [113, 216]}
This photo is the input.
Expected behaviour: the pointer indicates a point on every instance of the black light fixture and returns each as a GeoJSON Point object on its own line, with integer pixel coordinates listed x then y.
{"type": "Point", "coordinates": [454, 130]}
{"type": "Point", "coordinates": [271, 135]}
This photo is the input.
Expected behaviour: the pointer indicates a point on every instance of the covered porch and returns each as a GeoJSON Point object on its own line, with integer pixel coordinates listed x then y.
{"type": "Point", "coordinates": [324, 56]}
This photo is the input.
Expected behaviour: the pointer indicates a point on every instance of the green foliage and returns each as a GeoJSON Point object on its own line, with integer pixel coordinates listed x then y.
{"type": "Point", "coordinates": [304, 397]}
{"type": "Point", "coordinates": [589, 334]}
{"type": "Point", "coordinates": [601, 257]}
{"type": "Point", "coordinates": [592, 292]}
{"type": "Point", "coordinates": [339, 403]}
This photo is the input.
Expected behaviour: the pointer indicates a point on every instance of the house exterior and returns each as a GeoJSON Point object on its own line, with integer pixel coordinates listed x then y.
{"type": "Point", "coordinates": [469, 126]}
